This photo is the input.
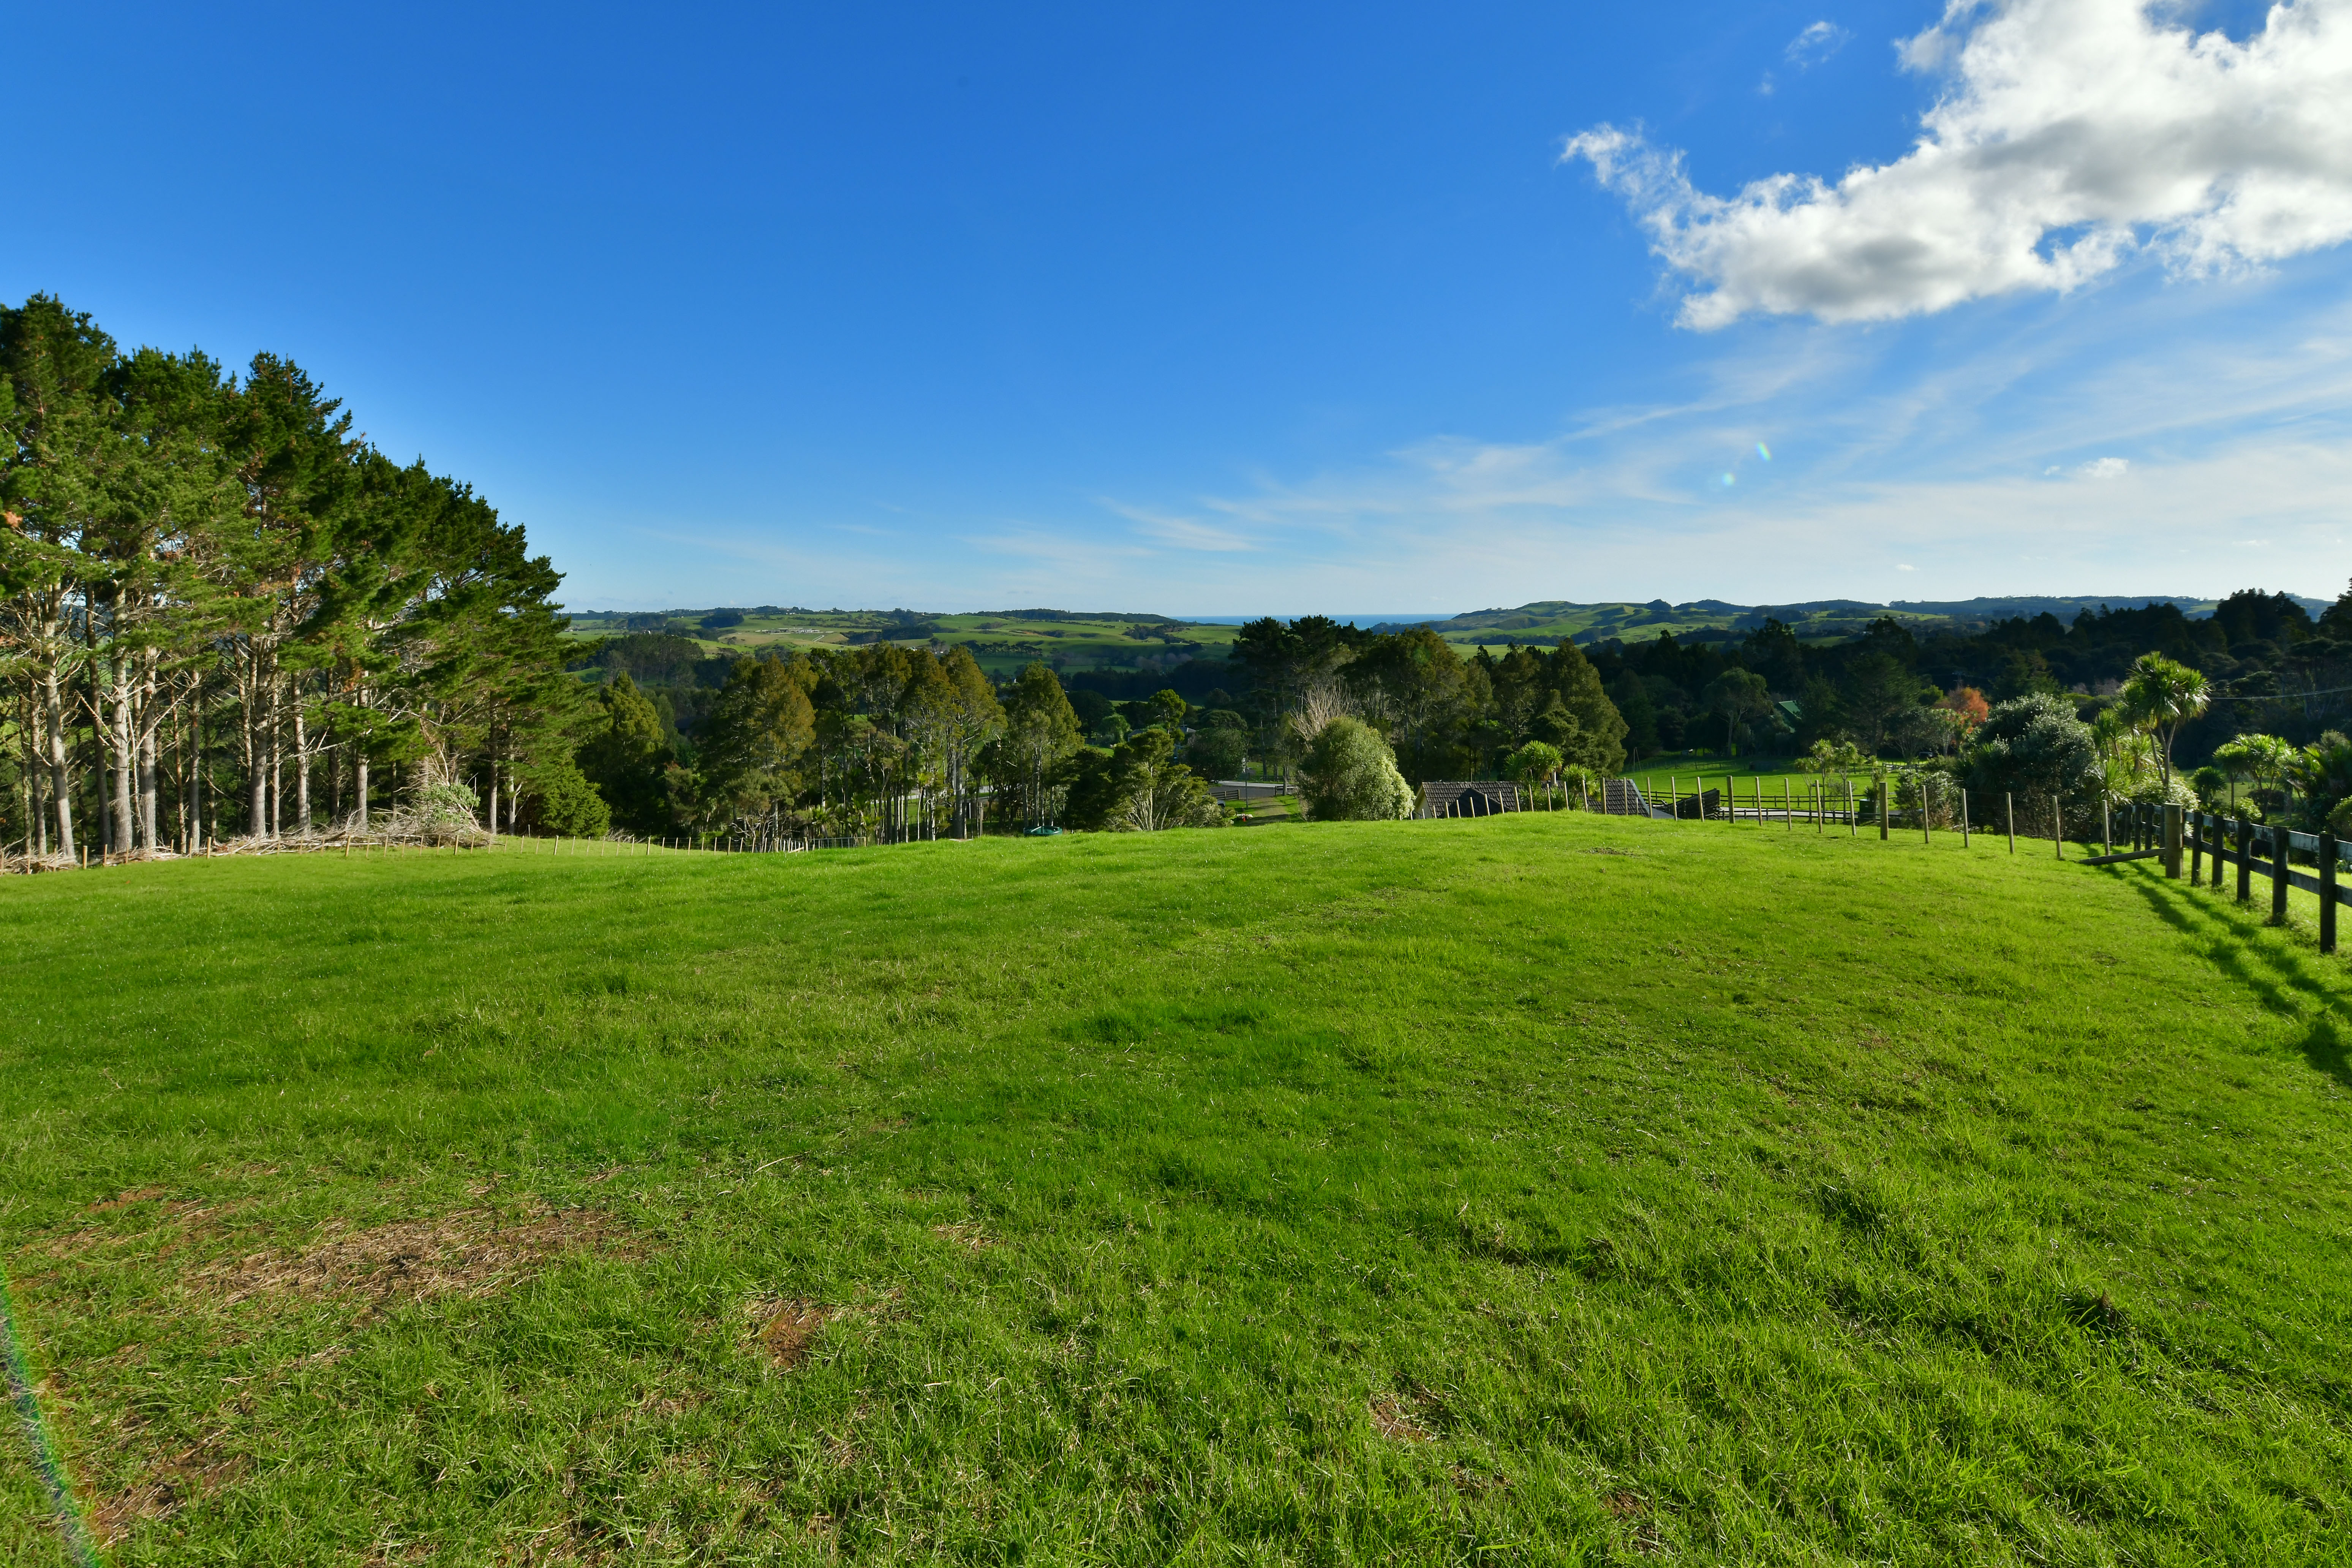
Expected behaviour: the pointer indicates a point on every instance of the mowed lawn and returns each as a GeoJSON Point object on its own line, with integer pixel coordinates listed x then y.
{"type": "Point", "coordinates": [1526, 1190]}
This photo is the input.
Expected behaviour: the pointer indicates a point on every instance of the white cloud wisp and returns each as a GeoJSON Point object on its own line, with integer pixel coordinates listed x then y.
{"type": "Point", "coordinates": [1816, 43]}
{"type": "Point", "coordinates": [2073, 133]}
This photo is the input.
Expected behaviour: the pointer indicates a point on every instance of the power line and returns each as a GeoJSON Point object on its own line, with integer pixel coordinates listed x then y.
{"type": "Point", "coordinates": [2286, 695]}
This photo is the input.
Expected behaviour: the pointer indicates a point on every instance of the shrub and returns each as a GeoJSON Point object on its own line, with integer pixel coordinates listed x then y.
{"type": "Point", "coordinates": [569, 804]}
{"type": "Point", "coordinates": [1351, 775]}
{"type": "Point", "coordinates": [438, 810]}
{"type": "Point", "coordinates": [1217, 752]}
{"type": "Point", "coordinates": [2033, 746]}
{"type": "Point", "coordinates": [1138, 788]}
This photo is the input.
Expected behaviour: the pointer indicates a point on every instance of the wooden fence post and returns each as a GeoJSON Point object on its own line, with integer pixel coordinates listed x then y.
{"type": "Point", "coordinates": [2278, 874]}
{"type": "Point", "coordinates": [2220, 837]}
{"type": "Point", "coordinates": [2057, 828]}
{"type": "Point", "coordinates": [2009, 818]}
{"type": "Point", "coordinates": [2196, 848]}
{"type": "Point", "coordinates": [2172, 852]}
{"type": "Point", "coordinates": [1885, 805]}
{"type": "Point", "coordinates": [2245, 862]}
{"type": "Point", "coordinates": [2106, 823]}
{"type": "Point", "coordinates": [2326, 892]}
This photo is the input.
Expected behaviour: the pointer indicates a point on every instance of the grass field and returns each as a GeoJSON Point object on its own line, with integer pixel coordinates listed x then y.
{"type": "Point", "coordinates": [1535, 1189]}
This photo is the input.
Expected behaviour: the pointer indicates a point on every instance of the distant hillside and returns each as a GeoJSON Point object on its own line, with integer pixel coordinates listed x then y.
{"type": "Point", "coordinates": [1139, 640]}
{"type": "Point", "coordinates": [1705, 620]}
{"type": "Point", "coordinates": [1075, 643]}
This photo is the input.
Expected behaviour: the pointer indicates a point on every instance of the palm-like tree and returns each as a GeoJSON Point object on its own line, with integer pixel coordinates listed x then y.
{"type": "Point", "coordinates": [2162, 695]}
{"type": "Point", "coordinates": [2263, 758]}
{"type": "Point", "coordinates": [2323, 770]}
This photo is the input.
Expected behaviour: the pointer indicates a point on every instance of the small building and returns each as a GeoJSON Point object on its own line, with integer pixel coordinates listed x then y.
{"type": "Point", "coordinates": [1478, 797]}
{"type": "Point", "coordinates": [1623, 797]}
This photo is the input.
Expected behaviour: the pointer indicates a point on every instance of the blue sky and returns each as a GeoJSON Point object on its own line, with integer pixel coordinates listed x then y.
{"type": "Point", "coordinates": [1226, 309]}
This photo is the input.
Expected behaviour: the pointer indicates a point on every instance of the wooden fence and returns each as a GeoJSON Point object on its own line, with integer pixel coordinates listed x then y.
{"type": "Point", "coordinates": [2211, 838]}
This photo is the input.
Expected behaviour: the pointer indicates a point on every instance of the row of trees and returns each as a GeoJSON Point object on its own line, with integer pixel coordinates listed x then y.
{"type": "Point", "coordinates": [889, 741]}
{"type": "Point", "coordinates": [1442, 715]}
{"type": "Point", "coordinates": [2034, 748]}
{"type": "Point", "coordinates": [2112, 749]}
{"type": "Point", "coordinates": [2270, 665]}
{"type": "Point", "coordinates": [223, 614]}
{"type": "Point", "coordinates": [882, 739]}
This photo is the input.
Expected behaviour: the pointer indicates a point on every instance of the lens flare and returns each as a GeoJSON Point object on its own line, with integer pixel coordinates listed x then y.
{"type": "Point", "coordinates": [36, 1430]}
{"type": "Point", "coordinates": [1726, 481]}
{"type": "Point", "coordinates": [1763, 451]}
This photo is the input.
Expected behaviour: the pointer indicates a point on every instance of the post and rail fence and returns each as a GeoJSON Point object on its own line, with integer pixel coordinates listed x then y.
{"type": "Point", "coordinates": [2204, 846]}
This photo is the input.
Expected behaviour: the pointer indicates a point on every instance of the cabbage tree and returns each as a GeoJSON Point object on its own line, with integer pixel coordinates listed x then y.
{"type": "Point", "coordinates": [2160, 696]}
{"type": "Point", "coordinates": [2265, 759]}
{"type": "Point", "coordinates": [1535, 761]}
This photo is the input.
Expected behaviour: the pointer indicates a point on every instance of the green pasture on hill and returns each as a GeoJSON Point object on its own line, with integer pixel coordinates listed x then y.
{"type": "Point", "coordinates": [1535, 1189]}
{"type": "Point", "coordinates": [1000, 642]}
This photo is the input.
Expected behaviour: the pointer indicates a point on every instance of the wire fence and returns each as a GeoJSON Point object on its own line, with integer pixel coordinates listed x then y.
{"type": "Point", "coordinates": [1886, 805]}
{"type": "Point", "coordinates": [2204, 846]}
{"type": "Point", "coordinates": [347, 843]}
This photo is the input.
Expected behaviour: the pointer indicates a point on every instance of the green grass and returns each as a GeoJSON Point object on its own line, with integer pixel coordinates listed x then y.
{"type": "Point", "coordinates": [1542, 1188]}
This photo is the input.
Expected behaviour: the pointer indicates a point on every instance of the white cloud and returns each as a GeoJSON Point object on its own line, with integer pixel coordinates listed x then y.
{"type": "Point", "coordinates": [1953, 446]}
{"type": "Point", "coordinates": [2073, 133]}
{"type": "Point", "coordinates": [2238, 427]}
{"type": "Point", "coordinates": [1184, 533]}
{"type": "Point", "coordinates": [1814, 45]}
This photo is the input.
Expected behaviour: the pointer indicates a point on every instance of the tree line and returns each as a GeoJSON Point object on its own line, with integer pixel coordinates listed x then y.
{"type": "Point", "coordinates": [225, 615]}
{"type": "Point", "coordinates": [888, 739]}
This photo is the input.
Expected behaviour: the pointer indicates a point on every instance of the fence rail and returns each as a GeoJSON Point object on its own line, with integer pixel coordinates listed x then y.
{"type": "Point", "coordinates": [2210, 842]}
{"type": "Point", "coordinates": [2224, 842]}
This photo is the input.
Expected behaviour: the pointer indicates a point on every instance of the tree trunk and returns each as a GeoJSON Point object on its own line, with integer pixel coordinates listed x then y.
{"type": "Point", "coordinates": [256, 818]}
{"type": "Point", "coordinates": [60, 780]}
{"type": "Point", "coordinates": [195, 766]}
{"type": "Point", "coordinates": [125, 823]}
{"type": "Point", "coordinates": [26, 789]}
{"type": "Point", "coordinates": [94, 701]}
{"type": "Point", "coordinates": [150, 719]}
{"type": "Point", "coordinates": [276, 762]}
{"type": "Point", "coordinates": [361, 782]}
{"type": "Point", "coordinates": [301, 771]}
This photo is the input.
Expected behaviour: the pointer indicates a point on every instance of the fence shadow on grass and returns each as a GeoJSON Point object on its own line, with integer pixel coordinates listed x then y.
{"type": "Point", "coordinates": [2285, 984]}
{"type": "Point", "coordinates": [2324, 1049]}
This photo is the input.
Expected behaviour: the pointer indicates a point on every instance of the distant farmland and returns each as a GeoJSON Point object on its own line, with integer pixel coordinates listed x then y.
{"type": "Point", "coordinates": [1006, 639]}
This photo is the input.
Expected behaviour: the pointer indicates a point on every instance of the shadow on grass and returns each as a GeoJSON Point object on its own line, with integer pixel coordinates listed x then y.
{"type": "Point", "coordinates": [2322, 1047]}
{"type": "Point", "coordinates": [2230, 935]}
